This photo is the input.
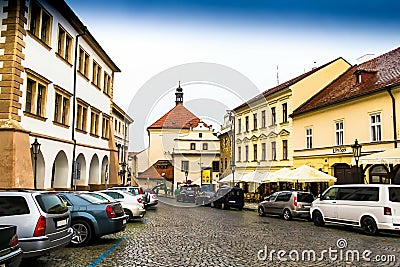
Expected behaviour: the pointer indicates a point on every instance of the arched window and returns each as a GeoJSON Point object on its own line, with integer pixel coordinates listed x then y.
{"type": "Point", "coordinates": [379, 174]}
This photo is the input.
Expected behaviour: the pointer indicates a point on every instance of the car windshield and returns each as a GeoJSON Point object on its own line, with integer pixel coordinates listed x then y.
{"type": "Point", "coordinates": [91, 198]}
{"type": "Point", "coordinates": [305, 197]}
{"type": "Point", "coordinates": [51, 203]}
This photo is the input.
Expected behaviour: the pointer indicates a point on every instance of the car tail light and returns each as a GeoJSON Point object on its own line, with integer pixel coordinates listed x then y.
{"type": "Point", "coordinates": [139, 200]}
{"type": "Point", "coordinates": [153, 196]}
{"type": "Point", "coordinates": [40, 228]}
{"type": "Point", "coordinates": [14, 241]}
{"type": "Point", "coordinates": [387, 211]}
{"type": "Point", "coordinates": [110, 212]}
{"type": "Point", "coordinates": [295, 201]}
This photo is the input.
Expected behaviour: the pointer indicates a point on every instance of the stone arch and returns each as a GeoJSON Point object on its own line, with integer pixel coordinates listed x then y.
{"type": "Point", "coordinates": [40, 170]}
{"type": "Point", "coordinates": [94, 170]}
{"type": "Point", "coordinates": [83, 177]}
{"type": "Point", "coordinates": [60, 175]}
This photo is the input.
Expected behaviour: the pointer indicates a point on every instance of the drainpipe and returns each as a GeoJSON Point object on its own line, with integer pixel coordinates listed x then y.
{"type": "Point", "coordinates": [73, 173]}
{"type": "Point", "coordinates": [389, 90]}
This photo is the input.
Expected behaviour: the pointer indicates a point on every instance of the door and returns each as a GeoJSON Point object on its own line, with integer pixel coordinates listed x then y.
{"type": "Point", "coordinates": [328, 202]}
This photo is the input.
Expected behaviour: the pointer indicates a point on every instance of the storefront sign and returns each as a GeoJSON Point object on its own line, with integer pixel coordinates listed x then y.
{"type": "Point", "coordinates": [338, 150]}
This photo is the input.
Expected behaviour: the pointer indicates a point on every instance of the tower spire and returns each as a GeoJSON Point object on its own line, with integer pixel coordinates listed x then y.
{"type": "Point", "coordinates": [179, 95]}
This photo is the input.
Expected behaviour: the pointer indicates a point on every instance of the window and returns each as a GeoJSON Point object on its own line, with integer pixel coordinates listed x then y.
{"type": "Point", "coordinates": [200, 135]}
{"type": "Point", "coordinates": [107, 84]}
{"type": "Point", "coordinates": [255, 121]}
{"type": "Point", "coordinates": [192, 146]}
{"type": "Point", "coordinates": [115, 125]}
{"type": "Point", "coordinates": [81, 117]}
{"type": "Point", "coordinates": [273, 116]}
{"type": "Point", "coordinates": [247, 124]}
{"type": "Point", "coordinates": [83, 66]}
{"type": "Point", "coordinates": [40, 23]}
{"type": "Point", "coordinates": [284, 112]}
{"type": "Point", "coordinates": [239, 125]}
{"type": "Point", "coordinates": [36, 92]}
{"type": "Point", "coordinates": [255, 152]}
{"type": "Point", "coordinates": [331, 194]}
{"type": "Point", "coordinates": [273, 150]}
{"type": "Point", "coordinates": [105, 132]}
{"type": "Point", "coordinates": [205, 146]}
{"type": "Point", "coordinates": [61, 107]}
{"type": "Point", "coordinates": [284, 149]}
{"type": "Point", "coordinates": [226, 163]}
{"type": "Point", "coordinates": [309, 138]}
{"type": "Point", "coordinates": [358, 193]}
{"type": "Point", "coordinates": [239, 153]}
{"type": "Point", "coordinates": [185, 165]}
{"type": "Point", "coordinates": [94, 123]}
{"type": "Point", "coordinates": [215, 166]}
{"type": "Point", "coordinates": [96, 74]}
{"type": "Point", "coordinates": [284, 197]}
{"type": "Point", "coordinates": [339, 133]}
{"type": "Point", "coordinates": [246, 155]}
{"type": "Point", "coordinates": [263, 151]}
{"type": "Point", "coordinates": [64, 46]}
{"type": "Point", "coordinates": [394, 194]}
{"type": "Point", "coordinates": [376, 127]}
{"type": "Point", "coordinates": [263, 119]}
{"type": "Point", "coordinates": [13, 205]}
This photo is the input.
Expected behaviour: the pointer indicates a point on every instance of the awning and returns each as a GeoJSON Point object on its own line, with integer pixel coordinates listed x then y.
{"type": "Point", "coordinates": [253, 177]}
{"type": "Point", "coordinates": [305, 174]}
{"type": "Point", "coordinates": [390, 156]}
{"type": "Point", "coordinates": [229, 178]}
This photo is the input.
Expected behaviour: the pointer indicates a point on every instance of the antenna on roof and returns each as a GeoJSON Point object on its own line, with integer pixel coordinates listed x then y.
{"type": "Point", "coordinates": [277, 74]}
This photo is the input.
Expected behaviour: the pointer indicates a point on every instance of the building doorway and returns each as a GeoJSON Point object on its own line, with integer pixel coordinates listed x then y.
{"type": "Point", "coordinates": [343, 173]}
{"type": "Point", "coordinates": [379, 174]}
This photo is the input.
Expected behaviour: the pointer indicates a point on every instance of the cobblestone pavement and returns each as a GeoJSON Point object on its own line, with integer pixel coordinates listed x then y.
{"type": "Point", "coordinates": [202, 236]}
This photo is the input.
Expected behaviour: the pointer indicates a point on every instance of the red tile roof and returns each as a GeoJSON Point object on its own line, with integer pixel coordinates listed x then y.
{"type": "Point", "coordinates": [177, 118]}
{"type": "Point", "coordinates": [284, 85]}
{"type": "Point", "coordinates": [150, 173]}
{"type": "Point", "coordinates": [377, 75]}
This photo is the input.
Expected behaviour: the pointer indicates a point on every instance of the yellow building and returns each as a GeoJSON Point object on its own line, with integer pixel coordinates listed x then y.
{"type": "Point", "coordinates": [360, 105]}
{"type": "Point", "coordinates": [264, 131]}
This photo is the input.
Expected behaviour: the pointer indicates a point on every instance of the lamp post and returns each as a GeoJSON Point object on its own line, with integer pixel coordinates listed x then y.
{"type": "Point", "coordinates": [232, 135]}
{"type": "Point", "coordinates": [356, 153]}
{"type": "Point", "coordinates": [35, 150]}
{"type": "Point", "coordinates": [186, 175]}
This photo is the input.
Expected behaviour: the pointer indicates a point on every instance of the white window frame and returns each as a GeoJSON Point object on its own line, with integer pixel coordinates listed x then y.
{"type": "Point", "coordinates": [339, 133]}
{"type": "Point", "coordinates": [309, 143]}
{"type": "Point", "coordinates": [376, 127]}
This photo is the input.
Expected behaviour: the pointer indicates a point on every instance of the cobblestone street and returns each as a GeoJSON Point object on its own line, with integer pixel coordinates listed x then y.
{"type": "Point", "coordinates": [202, 236]}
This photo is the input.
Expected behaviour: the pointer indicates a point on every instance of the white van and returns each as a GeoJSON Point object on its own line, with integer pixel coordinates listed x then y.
{"type": "Point", "coordinates": [372, 207]}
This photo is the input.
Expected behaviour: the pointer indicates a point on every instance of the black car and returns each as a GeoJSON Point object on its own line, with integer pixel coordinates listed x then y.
{"type": "Point", "coordinates": [10, 252]}
{"type": "Point", "coordinates": [228, 197]}
{"type": "Point", "coordinates": [186, 195]}
{"type": "Point", "coordinates": [204, 198]}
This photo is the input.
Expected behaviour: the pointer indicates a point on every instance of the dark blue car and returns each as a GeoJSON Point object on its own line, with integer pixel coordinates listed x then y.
{"type": "Point", "coordinates": [92, 217]}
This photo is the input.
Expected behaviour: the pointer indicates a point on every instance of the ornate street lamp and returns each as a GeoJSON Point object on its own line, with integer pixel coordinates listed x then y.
{"type": "Point", "coordinates": [233, 143]}
{"type": "Point", "coordinates": [186, 175]}
{"type": "Point", "coordinates": [233, 167]}
{"type": "Point", "coordinates": [35, 150]}
{"type": "Point", "coordinates": [357, 153]}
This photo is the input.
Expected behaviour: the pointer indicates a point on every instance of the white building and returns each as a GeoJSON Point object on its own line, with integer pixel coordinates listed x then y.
{"type": "Point", "coordinates": [40, 81]}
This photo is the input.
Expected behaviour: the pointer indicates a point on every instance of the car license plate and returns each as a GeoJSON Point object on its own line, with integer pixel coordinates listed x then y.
{"type": "Point", "coordinates": [124, 221]}
{"type": "Point", "coordinates": [62, 223]}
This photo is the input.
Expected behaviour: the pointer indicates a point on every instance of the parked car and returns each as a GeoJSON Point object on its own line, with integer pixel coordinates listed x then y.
{"type": "Point", "coordinates": [10, 252]}
{"type": "Point", "coordinates": [228, 197]}
{"type": "Point", "coordinates": [42, 220]}
{"type": "Point", "coordinates": [151, 198]}
{"type": "Point", "coordinates": [186, 195]}
{"type": "Point", "coordinates": [129, 202]}
{"type": "Point", "coordinates": [288, 204]}
{"type": "Point", "coordinates": [372, 207]}
{"type": "Point", "coordinates": [92, 217]}
{"type": "Point", "coordinates": [204, 198]}
{"type": "Point", "coordinates": [135, 190]}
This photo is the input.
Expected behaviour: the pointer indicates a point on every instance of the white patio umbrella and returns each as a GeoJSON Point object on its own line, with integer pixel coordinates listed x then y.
{"type": "Point", "coordinates": [306, 174]}
{"type": "Point", "coordinates": [253, 177]}
{"type": "Point", "coordinates": [229, 178]}
{"type": "Point", "coordinates": [274, 176]}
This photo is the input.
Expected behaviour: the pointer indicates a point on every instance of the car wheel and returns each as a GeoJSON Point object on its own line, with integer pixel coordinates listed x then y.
{"type": "Point", "coordinates": [287, 216]}
{"type": "Point", "coordinates": [368, 226]}
{"type": "Point", "coordinates": [82, 233]}
{"type": "Point", "coordinates": [261, 211]}
{"type": "Point", "coordinates": [129, 213]}
{"type": "Point", "coordinates": [318, 219]}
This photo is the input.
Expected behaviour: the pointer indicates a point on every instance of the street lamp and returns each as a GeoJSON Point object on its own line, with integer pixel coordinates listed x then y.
{"type": "Point", "coordinates": [186, 175]}
{"type": "Point", "coordinates": [356, 153]}
{"type": "Point", "coordinates": [232, 135]}
{"type": "Point", "coordinates": [35, 150]}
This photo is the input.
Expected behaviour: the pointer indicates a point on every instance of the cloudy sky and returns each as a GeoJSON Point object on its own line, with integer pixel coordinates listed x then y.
{"type": "Point", "coordinates": [265, 41]}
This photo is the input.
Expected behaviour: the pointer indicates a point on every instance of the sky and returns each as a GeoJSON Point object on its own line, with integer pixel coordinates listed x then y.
{"type": "Point", "coordinates": [252, 44]}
